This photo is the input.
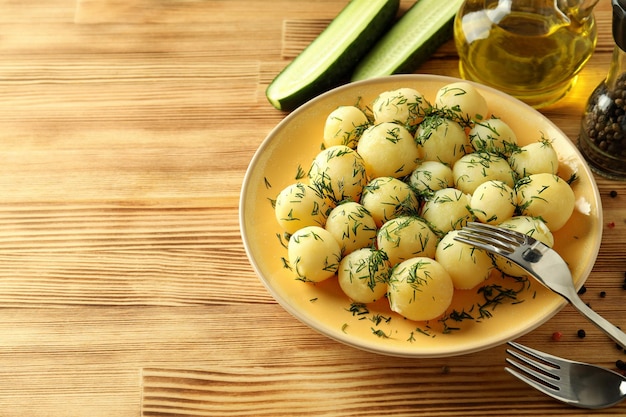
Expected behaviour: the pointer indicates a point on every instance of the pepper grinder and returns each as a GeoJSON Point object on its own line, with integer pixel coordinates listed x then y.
{"type": "Point", "coordinates": [602, 139]}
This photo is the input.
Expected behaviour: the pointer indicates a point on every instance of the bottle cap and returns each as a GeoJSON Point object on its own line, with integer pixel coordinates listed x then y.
{"type": "Point", "coordinates": [619, 23]}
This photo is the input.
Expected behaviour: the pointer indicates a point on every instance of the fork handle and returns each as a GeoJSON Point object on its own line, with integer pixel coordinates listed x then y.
{"type": "Point", "coordinates": [607, 327]}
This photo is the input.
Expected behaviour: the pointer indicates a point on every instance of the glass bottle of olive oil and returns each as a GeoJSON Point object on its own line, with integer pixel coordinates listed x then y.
{"type": "Point", "coordinates": [530, 49]}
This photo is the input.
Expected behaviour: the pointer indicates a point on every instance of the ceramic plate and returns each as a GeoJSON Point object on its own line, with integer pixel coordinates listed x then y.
{"type": "Point", "coordinates": [486, 319]}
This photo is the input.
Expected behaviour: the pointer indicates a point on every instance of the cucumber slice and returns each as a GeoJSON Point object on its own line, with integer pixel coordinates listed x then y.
{"type": "Point", "coordinates": [332, 56]}
{"type": "Point", "coordinates": [414, 38]}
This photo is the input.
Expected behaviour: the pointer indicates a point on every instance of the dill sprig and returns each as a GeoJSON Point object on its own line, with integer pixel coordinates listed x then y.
{"type": "Point", "coordinates": [381, 333]}
{"type": "Point", "coordinates": [358, 309]}
{"type": "Point", "coordinates": [452, 113]}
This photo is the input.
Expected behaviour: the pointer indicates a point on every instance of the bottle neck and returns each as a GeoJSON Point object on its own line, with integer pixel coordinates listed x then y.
{"type": "Point", "coordinates": [617, 67]}
{"type": "Point", "coordinates": [579, 10]}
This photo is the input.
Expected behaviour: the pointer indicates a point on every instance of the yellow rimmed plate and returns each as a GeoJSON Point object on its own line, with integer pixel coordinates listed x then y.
{"type": "Point", "coordinates": [476, 320]}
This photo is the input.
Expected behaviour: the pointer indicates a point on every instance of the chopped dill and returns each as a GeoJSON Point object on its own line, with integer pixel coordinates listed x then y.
{"type": "Point", "coordinates": [380, 333]}
{"type": "Point", "coordinates": [358, 309]}
{"type": "Point", "coordinates": [379, 318]}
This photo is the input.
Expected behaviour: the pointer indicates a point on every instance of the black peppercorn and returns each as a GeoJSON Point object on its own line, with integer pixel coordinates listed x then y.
{"type": "Point", "coordinates": [581, 333]}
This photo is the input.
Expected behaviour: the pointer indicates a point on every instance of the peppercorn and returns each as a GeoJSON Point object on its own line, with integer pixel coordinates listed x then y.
{"type": "Point", "coordinates": [621, 365]}
{"type": "Point", "coordinates": [583, 289]}
{"type": "Point", "coordinates": [581, 333]}
{"type": "Point", "coordinates": [556, 336]}
{"type": "Point", "coordinates": [613, 193]}
{"type": "Point", "coordinates": [602, 294]}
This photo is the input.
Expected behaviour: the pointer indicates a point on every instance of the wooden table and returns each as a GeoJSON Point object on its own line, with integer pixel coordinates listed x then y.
{"type": "Point", "coordinates": [126, 129]}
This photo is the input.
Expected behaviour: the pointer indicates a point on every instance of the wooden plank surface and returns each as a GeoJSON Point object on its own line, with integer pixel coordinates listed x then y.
{"type": "Point", "coordinates": [127, 127]}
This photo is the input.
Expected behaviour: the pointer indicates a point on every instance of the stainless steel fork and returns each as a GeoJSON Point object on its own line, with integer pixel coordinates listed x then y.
{"type": "Point", "coordinates": [575, 383]}
{"type": "Point", "coordinates": [540, 261]}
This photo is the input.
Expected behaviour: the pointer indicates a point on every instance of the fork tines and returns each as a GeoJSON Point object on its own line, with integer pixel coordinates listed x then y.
{"type": "Point", "coordinates": [536, 368]}
{"type": "Point", "coordinates": [490, 238]}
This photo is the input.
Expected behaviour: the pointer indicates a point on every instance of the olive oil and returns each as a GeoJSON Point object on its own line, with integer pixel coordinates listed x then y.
{"type": "Point", "coordinates": [534, 56]}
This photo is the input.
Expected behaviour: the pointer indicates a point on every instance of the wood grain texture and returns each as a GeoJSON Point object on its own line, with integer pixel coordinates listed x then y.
{"type": "Point", "coordinates": [126, 130]}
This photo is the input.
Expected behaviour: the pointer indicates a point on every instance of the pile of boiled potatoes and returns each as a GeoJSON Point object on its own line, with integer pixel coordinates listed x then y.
{"type": "Point", "coordinates": [395, 182]}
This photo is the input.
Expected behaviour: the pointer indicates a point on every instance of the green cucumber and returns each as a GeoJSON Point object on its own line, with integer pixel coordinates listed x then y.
{"type": "Point", "coordinates": [332, 56]}
{"type": "Point", "coordinates": [411, 41]}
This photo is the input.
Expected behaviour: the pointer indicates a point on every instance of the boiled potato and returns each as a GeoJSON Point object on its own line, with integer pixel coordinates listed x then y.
{"type": "Point", "coordinates": [313, 253]}
{"type": "Point", "coordinates": [420, 289]}
{"type": "Point", "coordinates": [352, 226]}
{"type": "Point", "coordinates": [493, 135]}
{"type": "Point", "coordinates": [339, 172]}
{"type": "Point", "coordinates": [463, 99]}
{"type": "Point", "coordinates": [467, 265]}
{"type": "Point", "coordinates": [406, 237]}
{"type": "Point", "coordinates": [493, 202]}
{"type": "Point", "coordinates": [473, 169]}
{"type": "Point", "coordinates": [531, 226]}
{"type": "Point", "coordinates": [405, 106]}
{"type": "Point", "coordinates": [447, 209]}
{"type": "Point", "coordinates": [546, 196]}
{"type": "Point", "coordinates": [431, 176]}
{"type": "Point", "coordinates": [388, 150]}
{"type": "Point", "coordinates": [299, 205]}
{"type": "Point", "coordinates": [363, 275]}
{"type": "Point", "coordinates": [442, 140]}
{"type": "Point", "coordinates": [535, 158]}
{"type": "Point", "coordinates": [387, 197]}
{"type": "Point", "coordinates": [344, 126]}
